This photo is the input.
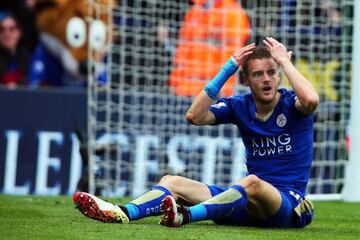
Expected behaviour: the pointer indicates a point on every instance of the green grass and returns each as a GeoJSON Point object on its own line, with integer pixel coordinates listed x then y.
{"type": "Point", "coordinates": [33, 217]}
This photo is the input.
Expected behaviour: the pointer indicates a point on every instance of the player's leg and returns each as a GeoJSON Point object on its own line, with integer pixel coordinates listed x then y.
{"type": "Point", "coordinates": [148, 204]}
{"type": "Point", "coordinates": [273, 208]}
{"type": "Point", "coordinates": [178, 187]}
{"type": "Point", "coordinates": [188, 190]}
{"type": "Point", "coordinates": [224, 202]}
{"type": "Point", "coordinates": [260, 199]}
{"type": "Point", "coordinates": [264, 200]}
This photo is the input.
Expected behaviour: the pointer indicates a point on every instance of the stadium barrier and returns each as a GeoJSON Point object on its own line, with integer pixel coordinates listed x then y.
{"type": "Point", "coordinates": [39, 152]}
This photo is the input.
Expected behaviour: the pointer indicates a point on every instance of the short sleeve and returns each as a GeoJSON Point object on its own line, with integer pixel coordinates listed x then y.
{"type": "Point", "coordinates": [222, 111]}
{"type": "Point", "coordinates": [289, 100]}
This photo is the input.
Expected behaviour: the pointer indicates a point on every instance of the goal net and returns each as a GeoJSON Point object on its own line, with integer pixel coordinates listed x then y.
{"type": "Point", "coordinates": [163, 52]}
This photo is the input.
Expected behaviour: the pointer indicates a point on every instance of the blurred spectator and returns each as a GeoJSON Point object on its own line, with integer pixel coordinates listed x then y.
{"type": "Point", "coordinates": [316, 28]}
{"type": "Point", "coordinates": [14, 56]}
{"type": "Point", "coordinates": [146, 31]}
{"type": "Point", "coordinates": [23, 10]}
{"type": "Point", "coordinates": [212, 30]}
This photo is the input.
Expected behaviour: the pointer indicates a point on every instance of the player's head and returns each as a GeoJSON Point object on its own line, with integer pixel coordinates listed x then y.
{"type": "Point", "coordinates": [259, 52]}
{"type": "Point", "coordinates": [261, 73]}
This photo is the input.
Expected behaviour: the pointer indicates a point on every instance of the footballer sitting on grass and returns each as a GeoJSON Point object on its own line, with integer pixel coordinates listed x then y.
{"type": "Point", "coordinates": [276, 126]}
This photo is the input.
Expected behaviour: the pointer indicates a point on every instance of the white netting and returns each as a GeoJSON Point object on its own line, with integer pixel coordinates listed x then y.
{"type": "Point", "coordinates": [160, 48]}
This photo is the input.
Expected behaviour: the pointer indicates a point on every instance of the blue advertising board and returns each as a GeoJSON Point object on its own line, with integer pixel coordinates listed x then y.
{"type": "Point", "coordinates": [39, 151]}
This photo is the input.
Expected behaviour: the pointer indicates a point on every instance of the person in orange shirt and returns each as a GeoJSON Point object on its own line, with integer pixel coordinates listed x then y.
{"type": "Point", "coordinates": [211, 32]}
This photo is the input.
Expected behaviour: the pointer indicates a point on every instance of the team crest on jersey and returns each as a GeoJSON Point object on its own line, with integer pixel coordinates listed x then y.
{"type": "Point", "coordinates": [281, 120]}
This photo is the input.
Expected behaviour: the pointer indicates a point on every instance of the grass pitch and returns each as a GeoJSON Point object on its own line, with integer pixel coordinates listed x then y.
{"type": "Point", "coordinates": [33, 217]}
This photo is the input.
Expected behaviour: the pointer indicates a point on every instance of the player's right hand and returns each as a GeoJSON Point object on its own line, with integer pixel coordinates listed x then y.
{"type": "Point", "coordinates": [240, 55]}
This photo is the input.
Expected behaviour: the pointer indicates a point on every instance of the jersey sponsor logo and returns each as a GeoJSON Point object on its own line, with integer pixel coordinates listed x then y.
{"type": "Point", "coordinates": [269, 146]}
{"type": "Point", "coordinates": [281, 120]}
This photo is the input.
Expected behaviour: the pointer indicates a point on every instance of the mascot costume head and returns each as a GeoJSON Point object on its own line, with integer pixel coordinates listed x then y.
{"type": "Point", "coordinates": [73, 39]}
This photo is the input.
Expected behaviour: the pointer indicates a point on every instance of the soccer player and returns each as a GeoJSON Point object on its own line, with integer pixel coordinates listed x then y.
{"type": "Point", "coordinates": [276, 126]}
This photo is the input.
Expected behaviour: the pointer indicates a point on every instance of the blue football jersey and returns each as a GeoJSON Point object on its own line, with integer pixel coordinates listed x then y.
{"type": "Point", "coordinates": [278, 150]}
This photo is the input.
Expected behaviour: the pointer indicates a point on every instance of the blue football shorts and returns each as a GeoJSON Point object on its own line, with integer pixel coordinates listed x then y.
{"type": "Point", "coordinates": [295, 212]}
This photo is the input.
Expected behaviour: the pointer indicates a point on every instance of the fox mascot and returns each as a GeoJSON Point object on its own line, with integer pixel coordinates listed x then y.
{"type": "Point", "coordinates": [74, 38]}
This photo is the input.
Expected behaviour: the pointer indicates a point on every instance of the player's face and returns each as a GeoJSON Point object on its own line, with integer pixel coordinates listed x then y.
{"type": "Point", "coordinates": [263, 79]}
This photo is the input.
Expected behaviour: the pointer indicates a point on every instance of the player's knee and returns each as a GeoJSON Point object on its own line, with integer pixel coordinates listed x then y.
{"type": "Point", "coordinates": [251, 183]}
{"type": "Point", "coordinates": [171, 182]}
{"type": "Point", "coordinates": [253, 179]}
{"type": "Point", "coordinates": [165, 179]}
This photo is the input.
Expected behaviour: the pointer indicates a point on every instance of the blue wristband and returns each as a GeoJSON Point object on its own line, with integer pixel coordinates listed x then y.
{"type": "Point", "coordinates": [214, 86]}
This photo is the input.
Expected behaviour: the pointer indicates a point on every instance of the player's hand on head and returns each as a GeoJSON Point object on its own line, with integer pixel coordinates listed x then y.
{"type": "Point", "coordinates": [277, 50]}
{"type": "Point", "coordinates": [240, 55]}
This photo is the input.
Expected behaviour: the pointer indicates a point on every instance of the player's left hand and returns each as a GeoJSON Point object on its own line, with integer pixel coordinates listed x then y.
{"type": "Point", "coordinates": [277, 50]}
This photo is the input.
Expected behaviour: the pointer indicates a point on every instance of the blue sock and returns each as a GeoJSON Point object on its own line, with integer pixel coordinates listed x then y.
{"type": "Point", "coordinates": [148, 204]}
{"type": "Point", "coordinates": [220, 205]}
{"type": "Point", "coordinates": [197, 212]}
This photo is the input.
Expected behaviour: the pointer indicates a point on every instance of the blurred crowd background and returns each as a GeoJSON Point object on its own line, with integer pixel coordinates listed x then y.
{"type": "Point", "coordinates": [40, 45]}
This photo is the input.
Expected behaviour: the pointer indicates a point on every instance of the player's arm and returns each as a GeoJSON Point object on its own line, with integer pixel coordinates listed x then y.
{"type": "Point", "coordinates": [307, 97]}
{"type": "Point", "coordinates": [199, 113]}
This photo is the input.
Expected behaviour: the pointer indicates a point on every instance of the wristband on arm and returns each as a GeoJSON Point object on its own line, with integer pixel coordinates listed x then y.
{"type": "Point", "coordinates": [214, 86]}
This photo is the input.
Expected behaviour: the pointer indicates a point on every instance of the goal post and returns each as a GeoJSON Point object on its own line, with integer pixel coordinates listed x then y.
{"type": "Point", "coordinates": [137, 131]}
{"type": "Point", "coordinates": [351, 191]}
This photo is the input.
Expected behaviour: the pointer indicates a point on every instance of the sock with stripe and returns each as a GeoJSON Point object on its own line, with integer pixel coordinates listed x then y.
{"type": "Point", "coordinates": [219, 206]}
{"type": "Point", "coordinates": [148, 204]}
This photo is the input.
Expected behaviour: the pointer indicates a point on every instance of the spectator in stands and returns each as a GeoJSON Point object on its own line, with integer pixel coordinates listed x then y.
{"type": "Point", "coordinates": [23, 10]}
{"type": "Point", "coordinates": [152, 32]}
{"type": "Point", "coordinates": [211, 32]}
{"type": "Point", "coordinates": [14, 56]}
